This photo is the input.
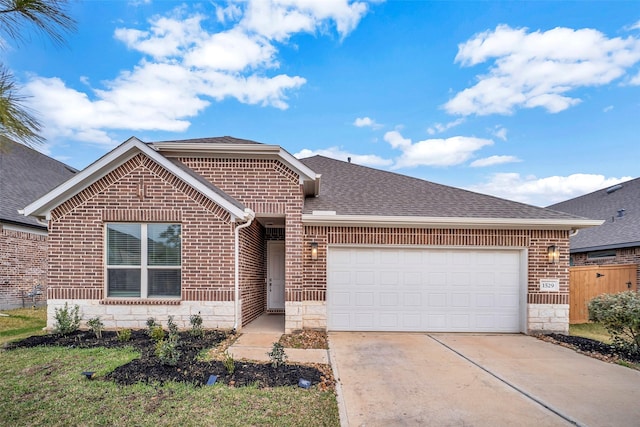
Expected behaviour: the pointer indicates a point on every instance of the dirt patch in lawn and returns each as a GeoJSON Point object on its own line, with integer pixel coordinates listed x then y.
{"type": "Point", "coordinates": [593, 348]}
{"type": "Point", "coordinates": [306, 339]}
{"type": "Point", "coordinates": [190, 367]}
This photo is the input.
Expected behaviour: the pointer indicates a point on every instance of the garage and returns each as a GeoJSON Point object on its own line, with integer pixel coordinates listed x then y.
{"type": "Point", "coordinates": [417, 289]}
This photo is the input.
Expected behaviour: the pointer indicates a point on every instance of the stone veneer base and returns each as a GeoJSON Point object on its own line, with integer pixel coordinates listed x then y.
{"type": "Point", "coordinates": [215, 314]}
{"type": "Point", "coordinates": [548, 318]}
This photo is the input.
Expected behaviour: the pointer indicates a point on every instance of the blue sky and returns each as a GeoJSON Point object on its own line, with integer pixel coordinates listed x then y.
{"type": "Point", "coordinates": [531, 101]}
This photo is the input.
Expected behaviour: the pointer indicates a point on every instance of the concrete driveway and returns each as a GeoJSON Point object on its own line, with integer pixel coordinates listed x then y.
{"type": "Point", "coordinates": [406, 379]}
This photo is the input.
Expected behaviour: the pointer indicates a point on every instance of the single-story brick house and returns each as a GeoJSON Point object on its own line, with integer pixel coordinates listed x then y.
{"type": "Point", "coordinates": [25, 174]}
{"type": "Point", "coordinates": [617, 240]}
{"type": "Point", "coordinates": [231, 229]}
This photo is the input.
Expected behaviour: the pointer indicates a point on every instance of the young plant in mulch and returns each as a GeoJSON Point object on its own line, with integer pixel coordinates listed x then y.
{"type": "Point", "coordinates": [96, 326]}
{"type": "Point", "coordinates": [124, 335]}
{"type": "Point", "coordinates": [67, 319]}
{"type": "Point", "coordinates": [196, 325]}
{"type": "Point", "coordinates": [277, 355]}
{"type": "Point", "coordinates": [167, 350]}
{"type": "Point", "coordinates": [229, 363]}
{"type": "Point", "coordinates": [151, 324]}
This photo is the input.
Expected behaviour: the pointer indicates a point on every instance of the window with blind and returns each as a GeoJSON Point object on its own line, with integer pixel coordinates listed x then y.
{"type": "Point", "coordinates": [144, 260]}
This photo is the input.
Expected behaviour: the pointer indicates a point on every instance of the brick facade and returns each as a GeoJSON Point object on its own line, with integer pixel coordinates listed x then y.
{"type": "Point", "coordinates": [23, 265]}
{"type": "Point", "coordinates": [142, 191]}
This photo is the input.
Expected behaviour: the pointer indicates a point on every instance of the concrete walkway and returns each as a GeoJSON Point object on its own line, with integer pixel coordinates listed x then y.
{"type": "Point", "coordinates": [257, 338]}
{"type": "Point", "coordinates": [477, 380]}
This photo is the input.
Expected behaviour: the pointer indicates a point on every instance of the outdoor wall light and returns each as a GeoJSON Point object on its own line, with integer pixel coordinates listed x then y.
{"type": "Point", "coordinates": [554, 254]}
{"type": "Point", "coordinates": [314, 250]}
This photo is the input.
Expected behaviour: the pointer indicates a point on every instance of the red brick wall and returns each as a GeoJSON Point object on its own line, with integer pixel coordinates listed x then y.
{"type": "Point", "coordinates": [623, 256]}
{"type": "Point", "coordinates": [140, 191]}
{"type": "Point", "coordinates": [252, 272]}
{"type": "Point", "coordinates": [268, 187]}
{"type": "Point", "coordinates": [23, 265]}
{"type": "Point", "coordinates": [537, 242]}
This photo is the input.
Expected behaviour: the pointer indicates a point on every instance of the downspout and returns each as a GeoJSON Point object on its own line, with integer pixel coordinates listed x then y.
{"type": "Point", "coordinates": [250, 215]}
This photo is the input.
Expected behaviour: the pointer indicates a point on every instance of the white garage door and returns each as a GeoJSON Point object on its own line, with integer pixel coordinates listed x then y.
{"type": "Point", "coordinates": [439, 290]}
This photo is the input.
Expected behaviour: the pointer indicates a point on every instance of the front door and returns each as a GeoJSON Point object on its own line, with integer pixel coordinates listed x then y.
{"type": "Point", "coordinates": [275, 275]}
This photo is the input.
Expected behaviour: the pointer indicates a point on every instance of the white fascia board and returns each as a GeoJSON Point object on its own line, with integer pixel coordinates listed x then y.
{"type": "Point", "coordinates": [445, 222]}
{"type": "Point", "coordinates": [43, 206]}
{"type": "Point", "coordinates": [246, 151]}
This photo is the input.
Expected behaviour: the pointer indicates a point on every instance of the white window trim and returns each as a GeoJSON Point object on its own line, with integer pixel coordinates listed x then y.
{"type": "Point", "coordinates": [143, 267]}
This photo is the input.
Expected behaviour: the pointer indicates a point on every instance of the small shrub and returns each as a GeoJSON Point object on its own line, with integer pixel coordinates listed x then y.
{"type": "Point", "coordinates": [173, 328]}
{"type": "Point", "coordinates": [96, 326]}
{"type": "Point", "coordinates": [277, 355]}
{"type": "Point", "coordinates": [168, 352]}
{"type": "Point", "coordinates": [67, 319]}
{"type": "Point", "coordinates": [124, 335]}
{"type": "Point", "coordinates": [157, 333]}
{"type": "Point", "coordinates": [196, 325]}
{"type": "Point", "coordinates": [151, 324]}
{"type": "Point", "coordinates": [229, 363]}
{"type": "Point", "coordinates": [620, 315]}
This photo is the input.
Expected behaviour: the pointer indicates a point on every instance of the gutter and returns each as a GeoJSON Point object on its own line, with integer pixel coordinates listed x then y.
{"type": "Point", "coordinates": [249, 215]}
{"type": "Point", "coordinates": [329, 218]}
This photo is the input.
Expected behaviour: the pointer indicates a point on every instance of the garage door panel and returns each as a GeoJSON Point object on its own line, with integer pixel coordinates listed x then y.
{"type": "Point", "coordinates": [423, 290]}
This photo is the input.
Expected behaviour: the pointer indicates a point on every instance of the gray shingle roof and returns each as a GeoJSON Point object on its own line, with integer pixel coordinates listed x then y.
{"type": "Point", "coordinates": [616, 231]}
{"type": "Point", "coordinates": [25, 175]}
{"type": "Point", "coordinates": [351, 189]}
{"type": "Point", "coordinates": [214, 140]}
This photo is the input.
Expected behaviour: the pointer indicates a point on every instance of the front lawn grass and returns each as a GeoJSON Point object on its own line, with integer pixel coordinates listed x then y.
{"type": "Point", "coordinates": [22, 323]}
{"type": "Point", "coordinates": [594, 331]}
{"type": "Point", "coordinates": [44, 386]}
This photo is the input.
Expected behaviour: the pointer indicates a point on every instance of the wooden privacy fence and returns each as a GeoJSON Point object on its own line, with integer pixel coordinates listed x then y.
{"type": "Point", "coordinates": [586, 283]}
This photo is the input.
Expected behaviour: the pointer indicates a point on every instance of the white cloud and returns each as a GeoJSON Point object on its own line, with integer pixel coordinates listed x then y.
{"type": "Point", "coordinates": [184, 67]}
{"type": "Point", "coordinates": [441, 127]}
{"type": "Point", "coordinates": [494, 160]}
{"type": "Point", "coordinates": [543, 191]}
{"type": "Point", "coordinates": [279, 19]}
{"type": "Point", "coordinates": [362, 122]}
{"type": "Point", "coordinates": [500, 132]}
{"type": "Point", "coordinates": [635, 26]}
{"type": "Point", "coordinates": [635, 81]}
{"type": "Point", "coordinates": [538, 69]}
{"type": "Point", "coordinates": [339, 154]}
{"type": "Point", "coordinates": [434, 152]}
{"type": "Point", "coordinates": [607, 108]}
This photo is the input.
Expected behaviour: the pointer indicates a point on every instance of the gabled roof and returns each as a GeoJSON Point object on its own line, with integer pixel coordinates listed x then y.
{"type": "Point", "coordinates": [354, 194]}
{"type": "Point", "coordinates": [618, 206]}
{"type": "Point", "coordinates": [110, 161]}
{"type": "Point", "coordinates": [25, 175]}
{"type": "Point", "coordinates": [227, 146]}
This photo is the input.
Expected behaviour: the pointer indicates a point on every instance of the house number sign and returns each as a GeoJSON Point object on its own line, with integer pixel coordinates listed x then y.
{"type": "Point", "coordinates": [550, 285]}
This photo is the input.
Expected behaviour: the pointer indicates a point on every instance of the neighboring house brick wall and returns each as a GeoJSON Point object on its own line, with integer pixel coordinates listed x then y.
{"type": "Point", "coordinates": [623, 256]}
{"type": "Point", "coordinates": [23, 265]}
{"type": "Point", "coordinates": [536, 242]}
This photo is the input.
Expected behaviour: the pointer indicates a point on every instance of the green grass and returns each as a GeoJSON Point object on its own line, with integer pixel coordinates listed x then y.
{"type": "Point", "coordinates": [44, 386]}
{"type": "Point", "coordinates": [22, 323]}
{"type": "Point", "coordinates": [594, 331]}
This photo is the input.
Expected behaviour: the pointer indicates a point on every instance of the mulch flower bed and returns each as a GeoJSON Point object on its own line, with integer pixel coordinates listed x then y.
{"type": "Point", "coordinates": [190, 368]}
{"type": "Point", "coordinates": [592, 348]}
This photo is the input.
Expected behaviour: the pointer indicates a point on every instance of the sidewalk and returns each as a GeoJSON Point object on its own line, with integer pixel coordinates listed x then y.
{"type": "Point", "coordinates": [257, 338]}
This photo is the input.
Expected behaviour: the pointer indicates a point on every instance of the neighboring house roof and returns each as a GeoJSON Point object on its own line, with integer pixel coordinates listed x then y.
{"type": "Point", "coordinates": [357, 194]}
{"type": "Point", "coordinates": [25, 175]}
{"type": "Point", "coordinates": [618, 206]}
